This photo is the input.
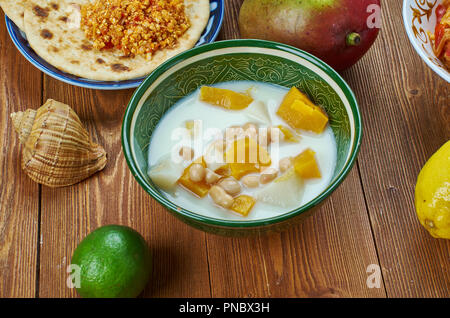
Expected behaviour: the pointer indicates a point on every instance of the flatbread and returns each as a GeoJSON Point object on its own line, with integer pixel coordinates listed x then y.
{"type": "Point", "coordinates": [53, 33]}
{"type": "Point", "coordinates": [15, 9]}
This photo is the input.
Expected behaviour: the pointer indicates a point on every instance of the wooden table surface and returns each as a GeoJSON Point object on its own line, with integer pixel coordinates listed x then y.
{"type": "Point", "coordinates": [370, 219]}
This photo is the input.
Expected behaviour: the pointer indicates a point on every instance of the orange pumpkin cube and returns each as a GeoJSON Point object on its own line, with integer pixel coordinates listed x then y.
{"type": "Point", "coordinates": [243, 204]}
{"type": "Point", "coordinates": [306, 166]}
{"type": "Point", "coordinates": [224, 171]}
{"type": "Point", "coordinates": [245, 156]}
{"type": "Point", "coordinates": [311, 118]}
{"type": "Point", "coordinates": [288, 135]}
{"type": "Point", "coordinates": [300, 113]}
{"type": "Point", "coordinates": [225, 98]}
{"type": "Point", "coordinates": [201, 188]}
{"type": "Point", "coordinates": [238, 170]}
{"type": "Point", "coordinates": [247, 150]}
{"type": "Point", "coordinates": [293, 95]}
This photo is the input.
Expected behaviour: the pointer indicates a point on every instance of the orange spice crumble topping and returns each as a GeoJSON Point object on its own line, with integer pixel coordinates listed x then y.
{"type": "Point", "coordinates": [136, 27]}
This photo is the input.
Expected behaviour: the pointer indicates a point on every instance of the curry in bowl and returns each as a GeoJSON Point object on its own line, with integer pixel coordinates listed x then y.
{"type": "Point", "coordinates": [243, 149]}
{"type": "Point", "coordinates": [242, 136]}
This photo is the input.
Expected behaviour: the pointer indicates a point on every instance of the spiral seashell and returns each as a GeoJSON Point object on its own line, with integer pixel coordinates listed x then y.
{"type": "Point", "coordinates": [57, 150]}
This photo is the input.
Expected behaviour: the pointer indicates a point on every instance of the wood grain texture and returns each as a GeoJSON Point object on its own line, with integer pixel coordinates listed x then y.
{"type": "Point", "coordinates": [369, 219]}
{"type": "Point", "coordinates": [20, 88]}
{"type": "Point", "coordinates": [114, 197]}
{"type": "Point", "coordinates": [325, 256]}
{"type": "Point", "coordinates": [305, 261]}
{"type": "Point", "coordinates": [406, 114]}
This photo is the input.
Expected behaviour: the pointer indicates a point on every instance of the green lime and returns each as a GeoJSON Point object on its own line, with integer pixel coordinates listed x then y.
{"type": "Point", "coordinates": [114, 262]}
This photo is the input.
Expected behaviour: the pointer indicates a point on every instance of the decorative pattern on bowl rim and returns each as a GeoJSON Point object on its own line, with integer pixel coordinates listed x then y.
{"type": "Point", "coordinates": [175, 67]}
{"type": "Point", "coordinates": [419, 20]}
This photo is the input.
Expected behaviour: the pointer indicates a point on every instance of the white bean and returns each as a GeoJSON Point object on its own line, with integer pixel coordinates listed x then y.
{"type": "Point", "coordinates": [232, 133]}
{"type": "Point", "coordinates": [268, 175]}
{"type": "Point", "coordinates": [211, 177]}
{"type": "Point", "coordinates": [250, 126]}
{"type": "Point", "coordinates": [274, 135]}
{"type": "Point", "coordinates": [231, 186]}
{"type": "Point", "coordinates": [250, 181]}
{"type": "Point", "coordinates": [197, 172]}
{"type": "Point", "coordinates": [251, 130]}
{"type": "Point", "coordinates": [285, 164]}
{"type": "Point", "coordinates": [220, 197]}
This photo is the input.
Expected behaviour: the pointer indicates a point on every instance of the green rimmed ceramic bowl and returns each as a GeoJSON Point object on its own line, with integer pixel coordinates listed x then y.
{"type": "Point", "coordinates": [234, 60]}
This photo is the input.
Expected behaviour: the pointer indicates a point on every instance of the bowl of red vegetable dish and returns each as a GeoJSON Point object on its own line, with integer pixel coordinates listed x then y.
{"type": "Point", "coordinates": [427, 24]}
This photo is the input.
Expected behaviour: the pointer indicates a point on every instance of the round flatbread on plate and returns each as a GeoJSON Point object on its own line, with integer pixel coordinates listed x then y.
{"type": "Point", "coordinates": [19, 38]}
{"type": "Point", "coordinates": [54, 32]}
{"type": "Point", "coordinates": [15, 10]}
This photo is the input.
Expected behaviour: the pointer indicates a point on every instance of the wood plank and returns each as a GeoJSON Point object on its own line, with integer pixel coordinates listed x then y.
{"type": "Point", "coordinates": [230, 27]}
{"type": "Point", "coordinates": [114, 197]}
{"type": "Point", "coordinates": [405, 120]}
{"type": "Point", "coordinates": [19, 196]}
{"type": "Point", "coordinates": [406, 113]}
{"type": "Point", "coordinates": [326, 256]}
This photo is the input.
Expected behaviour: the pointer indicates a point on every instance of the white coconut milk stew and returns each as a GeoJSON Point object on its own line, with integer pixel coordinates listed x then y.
{"type": "Point", "coordinates": [242, 151]}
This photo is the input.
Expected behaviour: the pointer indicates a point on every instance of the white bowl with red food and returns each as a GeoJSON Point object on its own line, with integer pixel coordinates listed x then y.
{"type": "Point", "coordinates": [427, 24]}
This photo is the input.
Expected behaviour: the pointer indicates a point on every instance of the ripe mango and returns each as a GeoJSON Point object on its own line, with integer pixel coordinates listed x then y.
{"type": "Point", "coordinates": [338, 32]}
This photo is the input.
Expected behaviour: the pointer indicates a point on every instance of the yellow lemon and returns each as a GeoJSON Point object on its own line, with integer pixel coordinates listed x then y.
{"type": "Point", "coordinates": [432, 197]}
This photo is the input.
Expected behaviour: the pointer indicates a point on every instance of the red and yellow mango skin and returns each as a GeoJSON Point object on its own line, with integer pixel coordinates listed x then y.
{"type": "Point", "coordinates": [320, 27]}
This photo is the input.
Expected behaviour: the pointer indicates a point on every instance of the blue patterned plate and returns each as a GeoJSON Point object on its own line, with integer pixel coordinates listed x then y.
{"type": "Point", "coordinates": [20, 41]}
